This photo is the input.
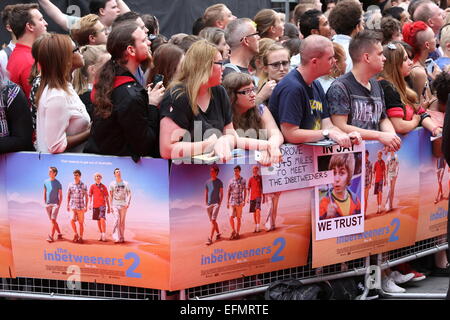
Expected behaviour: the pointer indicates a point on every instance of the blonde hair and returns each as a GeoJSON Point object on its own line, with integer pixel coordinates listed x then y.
{"type": "Point", "coordinates": [445, 35]}
{"type": "Point", "coordinates": [213, 14]}
{"type": "Point", "coordinates": [264, 44]}
{"type": "Point", "coordinates": [265, 19]}
{"type": "Point", "coordinates": [265, 60]}
{"type": "Point", "coordinates": [195, 71]}
{"type": "Point", "coordinates": [84, 28]}
{"type": "Point", "coordinates": [339, 55]}
{"type": "Point", "coordinates": [91, 55]}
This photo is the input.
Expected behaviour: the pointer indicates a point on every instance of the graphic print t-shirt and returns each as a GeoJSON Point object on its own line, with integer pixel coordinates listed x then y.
{"type": "Point", "coordinates": [119, 193]}
{"type": "Point", "coordinates": [294, 102]}
{"type": "Point", "coordinates": [365, 108]}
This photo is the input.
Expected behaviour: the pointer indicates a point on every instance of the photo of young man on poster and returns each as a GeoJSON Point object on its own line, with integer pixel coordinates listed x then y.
{"type": "Point", "coordinates": [213, 200]}
{"type": "Point", "coordinates": [380, 173]}
{"type": "Point", "coordinates": [255, 189]}
{"type": "Point", "coordinates": [77, 201]}
{"type": "Point", "coordinates": [52, 200]}
{"type": "Point", "coordinates": [237, 195]}
{"type": "Point", "coordinates": [368, 181]}
{"type": "Point", "coordinates": [392, 173]}
{"type": "Point", "coordinates": [120, 195]}
{"type": "Point", "coordinates": [98, 203]}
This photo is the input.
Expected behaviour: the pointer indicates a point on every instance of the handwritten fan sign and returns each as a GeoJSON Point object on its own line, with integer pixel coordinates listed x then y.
{"type": "Point", "coordinates": [295, 172]}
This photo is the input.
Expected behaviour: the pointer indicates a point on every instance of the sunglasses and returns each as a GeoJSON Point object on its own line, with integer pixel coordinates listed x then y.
{"type": "Point", "coordinates": [77, 49]}
{"type": "Point", "coordinates": [220, 63]}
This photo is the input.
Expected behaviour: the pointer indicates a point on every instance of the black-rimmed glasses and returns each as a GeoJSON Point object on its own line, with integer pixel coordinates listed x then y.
{"type": "Point", "coordinates": [250, 35]}
{"type": "Point", "coordinates": [77, 49]}
{"type": "Point", "coordinates": [248, 91]}
{"type": "Point", "coordinates": [220, 63]}
{"type": "Point", "coordinates": [278, 64]}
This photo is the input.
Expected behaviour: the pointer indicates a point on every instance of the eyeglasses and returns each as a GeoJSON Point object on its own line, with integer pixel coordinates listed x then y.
{"type": "Point", "coordinates": [277, 64]}
{"type": "Point", "coordinates": [221, 63]}
{"type": "Point", "coordinates": [250, 35]}
{"type": "Point", "coordinates": [77, 49]}
{"type": "Point", "coordinates": [248, 91]}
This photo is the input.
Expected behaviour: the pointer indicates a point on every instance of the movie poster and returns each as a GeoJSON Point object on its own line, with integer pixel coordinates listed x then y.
{"type": "Point", "coordinates": [223, 225]}
{"type": "Point", "coordinates": [339, 205]}
{"type": "Point", "coordinates": [104, 219]}
{"type": "Point", "coordinates": [390, 201]}
{"type": "Point", "coordinates": [434, 189]}
{"type": "Point", "coordinates": [6, 256]}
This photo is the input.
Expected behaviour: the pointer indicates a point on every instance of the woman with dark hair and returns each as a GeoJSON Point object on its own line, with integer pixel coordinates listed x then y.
{"type": "Point", "coordinates": [15, 117]}
{"type": "Point", "coordinates": [250, 119]}
{"type": "Point", "coordinates": [167, 60]}
{"type": "Point", "coordinates": [62, 123]}
{"type": "Point", "coordinates": [125, 115]}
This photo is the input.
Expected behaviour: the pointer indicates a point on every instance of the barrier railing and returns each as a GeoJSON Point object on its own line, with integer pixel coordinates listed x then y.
{"type": "Point", "coordinates": [167, 225]}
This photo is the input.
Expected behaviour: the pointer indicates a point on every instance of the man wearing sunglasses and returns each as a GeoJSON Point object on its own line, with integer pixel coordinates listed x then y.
{"type": "Point", "coordinates": [298, 102]}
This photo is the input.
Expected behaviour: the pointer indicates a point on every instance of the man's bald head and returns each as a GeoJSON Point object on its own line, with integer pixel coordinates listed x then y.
{"type": "Point", "coordinates": [314, 46]}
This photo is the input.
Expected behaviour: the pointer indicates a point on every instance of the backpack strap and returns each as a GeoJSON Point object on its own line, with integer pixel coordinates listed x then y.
{"type": "Point", "coordinates": [232, 66]}
{"type": "Point", "coordinates": [8, 51]}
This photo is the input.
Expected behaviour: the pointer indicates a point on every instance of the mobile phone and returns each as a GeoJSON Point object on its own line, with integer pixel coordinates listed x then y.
{"type": "Point", "coordinates": [429, 64]}
{"type": "Point", "coordinates": [157, 78]}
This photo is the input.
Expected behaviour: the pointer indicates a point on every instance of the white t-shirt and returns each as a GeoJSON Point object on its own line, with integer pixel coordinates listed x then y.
{"type": "Point", "coordinates": [4, 57]}
{"type": "Point", "coordinates": [59, 115]}
{"type": "Point", "coordinates": [120, 191]}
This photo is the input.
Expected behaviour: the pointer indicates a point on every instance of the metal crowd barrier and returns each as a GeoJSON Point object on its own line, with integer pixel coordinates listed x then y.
{"type": "Point", "coordinates": [30, 288]}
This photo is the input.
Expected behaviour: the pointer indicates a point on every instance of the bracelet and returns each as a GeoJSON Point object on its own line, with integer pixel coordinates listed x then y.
{"type": "Point", "coordinates": [423, 116]}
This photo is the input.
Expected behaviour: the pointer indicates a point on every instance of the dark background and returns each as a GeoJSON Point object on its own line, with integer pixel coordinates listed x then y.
{"type": "Point", "coordinates": [174, 15]}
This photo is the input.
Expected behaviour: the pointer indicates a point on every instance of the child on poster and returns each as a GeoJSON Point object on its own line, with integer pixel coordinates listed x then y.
{"type": "Point", "coordinates": [98, 201]}
{"type": "Point", "coordinates": [340, 201]}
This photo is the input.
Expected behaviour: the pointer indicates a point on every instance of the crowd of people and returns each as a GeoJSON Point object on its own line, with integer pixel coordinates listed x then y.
{"type": "Point", "coordinates": [115, 86]}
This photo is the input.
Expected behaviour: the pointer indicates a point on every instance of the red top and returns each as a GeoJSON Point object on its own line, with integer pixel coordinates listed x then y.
{"type": "Point", "coordinates": [255, 184]}
{"type": "Point", "coordinates": [19, 67]}
{"type": "Point", "coordinates": [100, 192]}
{"type": "Point", "coordinates": [380, 168]}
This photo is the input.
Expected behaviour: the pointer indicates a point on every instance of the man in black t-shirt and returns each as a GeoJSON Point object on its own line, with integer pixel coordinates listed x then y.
{"type": "Point", "coordinates": [356, 99]}
{"type": "Point", "coordinates": [298, 102]}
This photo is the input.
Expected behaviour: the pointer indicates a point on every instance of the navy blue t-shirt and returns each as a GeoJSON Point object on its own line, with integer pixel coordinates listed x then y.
{"type": "Point", "coordinates": [294, 102]}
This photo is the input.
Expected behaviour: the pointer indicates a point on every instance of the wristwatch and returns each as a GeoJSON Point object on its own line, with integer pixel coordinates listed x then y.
{"type": "Point", "coordinates": [326, 134]}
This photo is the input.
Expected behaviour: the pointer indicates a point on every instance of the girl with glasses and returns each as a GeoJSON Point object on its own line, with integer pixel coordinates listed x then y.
{"type": "Point", "coordinates": [250, 118]}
